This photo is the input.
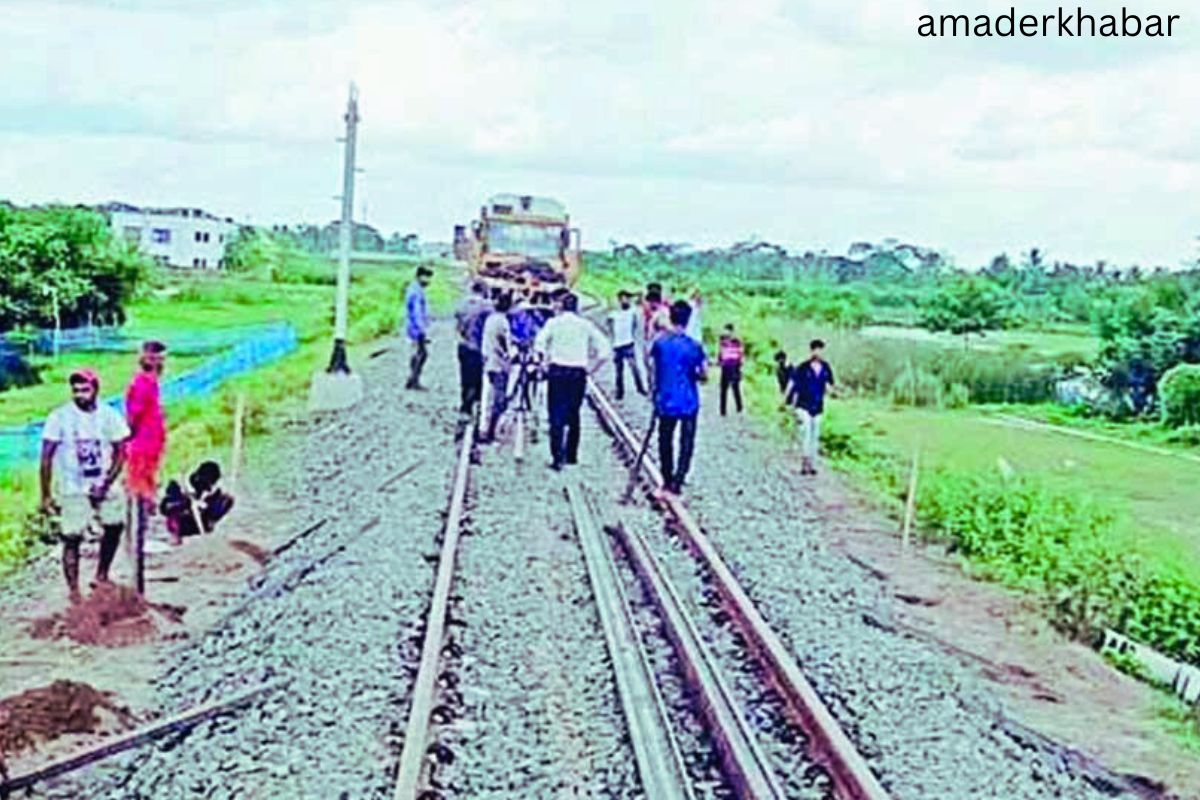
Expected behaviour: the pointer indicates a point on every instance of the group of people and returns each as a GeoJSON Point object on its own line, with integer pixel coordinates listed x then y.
{"type": "Point", "coordinates": [514, 344]}
{"type": "Point", "coordinates": [88, 444]}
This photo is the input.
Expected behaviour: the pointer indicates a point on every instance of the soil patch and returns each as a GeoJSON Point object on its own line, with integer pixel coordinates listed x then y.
{"type": "Point", "coordinates": [48, 712]}
{"type": "Point", "coordinates": [112, 616]}
{"type": "Point", "coordinates": [255, 552]}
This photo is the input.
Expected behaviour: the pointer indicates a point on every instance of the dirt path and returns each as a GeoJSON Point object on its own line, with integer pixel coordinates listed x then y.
{"type": "Point", "coordinates": [113, 644]}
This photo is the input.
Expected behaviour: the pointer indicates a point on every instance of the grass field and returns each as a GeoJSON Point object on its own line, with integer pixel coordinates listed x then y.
{"type": "Point", "coordinates": [1076, 340]}
{"type": "Point", "coordinates": [31, 403]}
{"type": "Point", "coordinates": [1153, 495]}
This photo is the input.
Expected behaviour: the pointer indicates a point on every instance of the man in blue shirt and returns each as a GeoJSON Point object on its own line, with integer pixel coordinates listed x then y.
{"type": "Point", "coordinates": [416, 314]}
{"type": "Point", "coordinates": [810, 380]}
{"type": "Point", "coordinates": [679, 366]}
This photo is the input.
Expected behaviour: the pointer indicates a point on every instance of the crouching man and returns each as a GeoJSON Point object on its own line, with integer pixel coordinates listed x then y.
{"type": "Point", "coordinates": [82, 454]}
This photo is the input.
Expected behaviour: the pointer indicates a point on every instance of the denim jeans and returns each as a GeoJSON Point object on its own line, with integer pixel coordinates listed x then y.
{"type": "Point", "coordinates": [731, 379]}
{"type": "Point", "coordinates": [470, 376]}
{"type": "Point", "coordinates": [620, 355]}
{"type": "Point", "coordinates": [674, 473]}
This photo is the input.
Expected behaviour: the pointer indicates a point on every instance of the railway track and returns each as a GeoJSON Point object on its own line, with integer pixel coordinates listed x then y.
{"type": "Point", "coordinates": [628, 583]}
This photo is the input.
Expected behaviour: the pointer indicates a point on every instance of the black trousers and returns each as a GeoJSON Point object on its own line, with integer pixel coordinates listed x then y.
{"type": "Point", "coordinates": [565, 387]}
{"type": "Point", "coordinates": [675, 472]}
{"type": "Point", "coordinates": [419, 356]}
{"type": "Point", "coordinates": [731, 378]}
{"type": "Point", "coordinates": [620, 355]}
{"type": "Point", "coordinates": [470, 376]}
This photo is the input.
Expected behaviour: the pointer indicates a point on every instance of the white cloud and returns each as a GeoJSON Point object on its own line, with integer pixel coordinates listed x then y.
{"type": "Point", "coordinates": [788, 101]}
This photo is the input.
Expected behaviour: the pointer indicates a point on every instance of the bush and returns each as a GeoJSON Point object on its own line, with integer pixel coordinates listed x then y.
{"type": "Point", "coordinates": [958, 395]}
{"type": "Point", "coordinates": [916, 387]}
{"type": "Point", "coordinates": [1188, 436]}
{"type": "Point", "coordinates": [1030, 536]}
{"type": "Point", "coordinates": [1180, 393]}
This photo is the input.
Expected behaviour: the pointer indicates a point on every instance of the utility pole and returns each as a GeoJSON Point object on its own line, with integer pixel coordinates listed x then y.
{"type": "Point", "coordinates": [336, 387]}
{"type": "Point", "coordinates": [337, 361]}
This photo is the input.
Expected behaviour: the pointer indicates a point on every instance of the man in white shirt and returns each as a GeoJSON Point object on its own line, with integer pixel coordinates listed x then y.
{"type": "Point", "coordinates": [82, 445]}
{"type": "Point", "coordinates": [625, 324]}
{"type": "Point", "coordinates": [573, 347]}
{"type": "Point", "coordinates": [497, 361]}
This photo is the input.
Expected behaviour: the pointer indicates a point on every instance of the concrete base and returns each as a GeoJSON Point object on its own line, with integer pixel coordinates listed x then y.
{"type": "Point", "coordinates": [334, 391]}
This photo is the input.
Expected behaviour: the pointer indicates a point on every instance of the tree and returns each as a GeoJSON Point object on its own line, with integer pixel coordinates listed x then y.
{"type": "Point", "coordinates": [66, 260]}
{"type": "Point", "coordinates": [966, 306]}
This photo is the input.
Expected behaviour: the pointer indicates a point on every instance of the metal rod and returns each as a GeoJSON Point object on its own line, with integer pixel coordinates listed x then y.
{"type": "Point", "coordinates": [660, 765]}
{"type": "Point", "coordinates": [416, 733]}
{"type": "Point", "coordinates": [831, 746]}
{"type": "Point", "coordinates": [179, 722]}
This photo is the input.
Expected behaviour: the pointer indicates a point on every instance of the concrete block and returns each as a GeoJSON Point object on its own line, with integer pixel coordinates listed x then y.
{"type": "Point", "coordinates": [334, 391]}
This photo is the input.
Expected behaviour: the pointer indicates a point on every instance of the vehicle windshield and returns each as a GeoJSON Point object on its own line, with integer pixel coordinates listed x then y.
{"type": "Point", "coordinates": [529, 240]}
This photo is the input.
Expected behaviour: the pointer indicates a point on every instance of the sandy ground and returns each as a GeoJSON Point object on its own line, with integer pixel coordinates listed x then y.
{"type": "Point", "coordinates": [189, 587]}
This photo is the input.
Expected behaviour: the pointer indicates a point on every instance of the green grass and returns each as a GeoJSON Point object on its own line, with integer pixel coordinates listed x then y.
{"type": "Point", "coordinates": [203, 427]}
{"type": "Point", "coordinates": [1073, 340]}
{"type": "Point", "coordinates": [1153, 495]}
{"type": "Point", "coordinates": [1181, 721]}
{"type": "Point", "coordinates": [32, 403]}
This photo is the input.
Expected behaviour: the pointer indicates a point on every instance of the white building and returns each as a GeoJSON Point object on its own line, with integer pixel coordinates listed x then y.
{"type": "Point", "coordinates": [174, 237]}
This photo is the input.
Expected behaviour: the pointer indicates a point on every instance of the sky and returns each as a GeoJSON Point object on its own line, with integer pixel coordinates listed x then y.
{"type": "Point", "coordinates": [811, 123]}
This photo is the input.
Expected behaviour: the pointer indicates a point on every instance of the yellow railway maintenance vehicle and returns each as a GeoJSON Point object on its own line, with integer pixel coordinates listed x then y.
{"type": "Point", "coordinates": [521, 242]}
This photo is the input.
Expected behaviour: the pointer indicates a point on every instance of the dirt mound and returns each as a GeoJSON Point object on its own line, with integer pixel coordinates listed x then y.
{"type": "Point", "coordinates": [42, 714]}
{"type": "Point", "coordinates": [113, 616]}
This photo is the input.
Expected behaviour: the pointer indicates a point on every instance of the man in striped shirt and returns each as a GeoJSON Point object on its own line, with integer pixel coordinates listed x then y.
{"type": "Point", "coordinates": [730, 356]}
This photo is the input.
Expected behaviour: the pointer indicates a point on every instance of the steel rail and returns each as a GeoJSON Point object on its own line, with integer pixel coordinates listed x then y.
{"type": "Point", "coordinates": [660, 765]}
{"type": "Point", "coordinates": [746, 766]}
{"type": "Point", "coordinates": [411, 771]}
{"type": "Point", "coordinates": [830, 746]}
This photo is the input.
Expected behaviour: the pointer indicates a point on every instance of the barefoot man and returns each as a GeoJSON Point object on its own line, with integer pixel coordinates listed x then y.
{"type": "Point", "coordinates": [82, 446]}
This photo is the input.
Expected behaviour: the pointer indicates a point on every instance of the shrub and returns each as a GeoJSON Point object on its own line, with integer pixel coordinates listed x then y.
{"type": "Point", "coordinates": [958, 395]}
{"type": "Point", "coordinates": [916, 387]}
{"type": "Point", "coordinates": [1029, 535]}
{"type": "Point", "coordinates": [1180, 393]}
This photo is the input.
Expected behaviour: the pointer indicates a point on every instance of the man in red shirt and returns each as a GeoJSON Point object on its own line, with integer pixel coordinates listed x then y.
{"type": "Point", "coordinates": [148, 439]}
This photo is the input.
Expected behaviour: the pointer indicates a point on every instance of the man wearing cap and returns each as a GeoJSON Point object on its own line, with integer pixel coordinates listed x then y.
{"type": "Point", "coordinates": [148, 433]}
{"type": "Point", "coordinates": [82, 455]}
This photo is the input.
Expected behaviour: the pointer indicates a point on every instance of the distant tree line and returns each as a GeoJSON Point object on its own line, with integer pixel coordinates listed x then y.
{"type": "Point", "coordinates": [365, 238]}
{"type": "Point", "coordinates": [1148, 321]}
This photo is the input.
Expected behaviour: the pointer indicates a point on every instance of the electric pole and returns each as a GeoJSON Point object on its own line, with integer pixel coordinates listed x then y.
{"type": "Point", "coordinates": [337, 361]}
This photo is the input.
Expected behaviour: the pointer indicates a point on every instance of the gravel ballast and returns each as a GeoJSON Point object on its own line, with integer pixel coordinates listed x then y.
{"type": "Point", "coordinates": [335, 615]}
{"type": "Point", "coordinates": [927, 728]}
{"type": "Point", "coordinates": [541, 716]}
{"type": "Point", "coordinates": [339, 617]}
